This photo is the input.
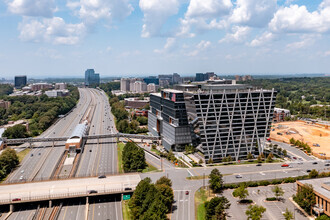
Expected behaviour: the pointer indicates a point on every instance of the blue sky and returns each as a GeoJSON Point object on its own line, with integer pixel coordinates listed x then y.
{"type": "Point", "coordinates": [43, 38]}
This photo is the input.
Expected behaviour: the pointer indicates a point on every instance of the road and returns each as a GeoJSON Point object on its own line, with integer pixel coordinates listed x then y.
{"type": "Point", "coordinates": [100, 157]}
{"type": "Point", "coordinates": [41, 161]}
{"type": "Point", "coordinates": [293, 151]}
{"type": "Point", "coordinates": [73, 211]}
{"type": "Point", "coordinates": [105, 208]}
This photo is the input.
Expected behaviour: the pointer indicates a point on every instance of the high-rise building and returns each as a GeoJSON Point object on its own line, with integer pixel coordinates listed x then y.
{"type": "Point", "coordinates": [152, 87]}
{"type": "Point", "coordinates": [91, 78]}
{"type": "Point", "coordinates": [20, 81]}
{"type": "Point", "coordinates": [204, 76]}
{"type": "Point", "coordinates": [151, 79]}
{"type": "Point", "coordinates": [60, 86]}
{"type": "Point", "coordinates": [230, 119]}
{"type": "Point", "coordinates": [176, 78]}
{"type": "Point", "coordinates": [124, 84]}
{"type": "Point", "coordinates": [140, 87]}
{"type": "Point", "coordinates": [168, 118]}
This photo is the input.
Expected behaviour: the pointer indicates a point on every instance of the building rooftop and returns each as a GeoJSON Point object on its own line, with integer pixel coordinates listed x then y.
{"type": "Point", "coordinates": [79, 131]}
{"type": "Point", "coordinates": [320, 185]}
{"type": "Point", "coordinates": [173, 91]}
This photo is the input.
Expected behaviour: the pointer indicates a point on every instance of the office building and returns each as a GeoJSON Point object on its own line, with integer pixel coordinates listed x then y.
{"type": "Point", "coordinates": [321, 189]}
{"type": "Point", "coordinates": [176, 79]}
{"type": "Point", "coordinates": [152, 87]}
{"type": "Point", "coordinates": [168, 118]}
{"type": "Point", "coordinates": [151, 79]}
{"type": "Point", "coordinates": [39, 86]}
{"type": "Point", "coordinates": [140, 87]}
{"type": "Point", "coordinates": [280, 114]}
{"type": "Point", "coordinates": [20, 81]}
{"type": "Point", "coordinates": [204, 76]}
{"type": "Point", "coordinates": [60, 86]}
{"type": "Point", "coordinates": [230, 119]}
{"type": "Point", "coordinates": [56, 93]}
{"type": "Point", "coordinates": [124, 84]}
{"type": "Point", "coordinates": [135, 102]}
{"type": "Point", "coordinates": [91, 78]}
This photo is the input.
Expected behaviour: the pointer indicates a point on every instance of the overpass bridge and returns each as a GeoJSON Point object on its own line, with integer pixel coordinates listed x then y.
{"type": "Point", "coordinates": [101, 136]}
{"type": "Point", "coordinates": [70, 188]}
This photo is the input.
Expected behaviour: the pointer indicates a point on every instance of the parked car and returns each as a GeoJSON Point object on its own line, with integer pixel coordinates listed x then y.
{"type": "Point", "coordinates": [308, 170]}
{"type": "Point", "coordinates": [259, 164]}
{"type": "Point", "coordinates": [314, 163]}
{"type": "Point", "coordinates": [285, 165]}
{"type": "Point", "coordinates": [327, 164]}
{"type": "Point", "coordinates": [187, 192]}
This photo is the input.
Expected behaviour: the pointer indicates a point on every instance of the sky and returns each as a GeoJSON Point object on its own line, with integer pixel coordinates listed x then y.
{"type": "Point", "coordinates": [62, 38]}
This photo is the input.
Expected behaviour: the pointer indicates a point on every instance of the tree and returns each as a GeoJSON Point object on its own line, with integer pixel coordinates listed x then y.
{"type": "Point", "coordinates": [255, 212]}
{"type": "Point", "coordinates": [285, 153]}
{"type": "Point", "coordinates": [305, 197]}
{"type": "Point", "coordinates": [17, 131]}
{"type": "Point", "coordinates": [133, 158]}
{"type": "Point", "coordinates": [278, 191]}
{"type": "Point", "coordinates": [313, 174]}
{"type": "Point", "coordinates": [216, 181]}
{"type": "Point", "coordinates": [270, 158]}
{"type": "Point", "coordinates": [249, 156]}
{"type": "Point", "coordinates": [288, 215]}
{"type": "Point", "coordinates": [8, 161]}
{"type": "Point", "coordinates": [167, 195]}
{"type": "Point", "coordinates": [323, 217]}
{"type": "Point", "coordinates": [216, 208]}
{"type": "Point", "coordinates": [164, 180]}
{"type": "Point", "coordinates": [259, 159]}
{"type": "Point", "coordinates": [241, 192]}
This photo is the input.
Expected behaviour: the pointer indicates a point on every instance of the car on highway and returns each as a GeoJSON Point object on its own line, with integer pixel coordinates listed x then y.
{"type": "Point", "coordinates": [187, 192]}
{"type": "Point", "coordinates": [295, 158]}
{"type": "Point", "coordinates": [285, 165]}
{"type": "Point", "coordinates": [0, 214]}
{"type": "Point", "coordinates": [327, 164]}
{"type": "Point", "coordinates": [308, 171]}
{"type": "Point", "coordinates": [92, 191]}
{"type": "Point", "coordinates": [300, 162]}
{"type": "Point", "coordinates": [31, 155]}
{"type": "Point", "coordinates": [16, 199]}
{"type": "Point", "coordinates": [259, 164]}
{"type": "Point", "coordinates": [102, 177]}
{"type": "Point", "coordinates": [238, 176]}
{"type": "Point", "coordinates": [127, 188]}
{"type": "Point", "coordinates": [314, 163]}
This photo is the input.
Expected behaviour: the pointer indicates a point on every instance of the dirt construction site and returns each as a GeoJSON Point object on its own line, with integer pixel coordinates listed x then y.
{"type": "Point", "coordinates": [315, 135]}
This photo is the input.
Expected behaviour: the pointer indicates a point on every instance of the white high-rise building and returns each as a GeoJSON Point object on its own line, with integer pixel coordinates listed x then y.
{"type": "Point", "coordinates": [140, 87]}
{"type": "Point", "coordinates": [124, 84]}
{"type": "Point", "coordinates": [152, 87]}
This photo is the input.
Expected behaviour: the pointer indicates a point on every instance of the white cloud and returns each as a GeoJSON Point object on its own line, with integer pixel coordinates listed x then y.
{"type": "Point", "coordinates": [169, 45]}
{"type": "Point", "coordinates": [327, 53]}
{"type": "Point", "coordinates": [156, 12]}
{"type": "Point", "coordinates": [306, 40]}
{"type": "Point", "coordinates": [208, 8]}
{"type": "Point", "coordinates": [297, 19]}
{"type": "Point", "coordinates": [238, 36]}
{"type": "Point", "coordinates": [204, 15]}
{"type": "Point", "coordinates": [263, 39]}
{"type": "Point", "coordinates": [35, 8]}
{"type": "Point", "coordinates": [52, 30]}
{"type": "Point", "coordinates": [254, 13]}
{"type": "Point", "coordinates": [91, 11]}
{"type": "Point", "coordinates": [201, 46]}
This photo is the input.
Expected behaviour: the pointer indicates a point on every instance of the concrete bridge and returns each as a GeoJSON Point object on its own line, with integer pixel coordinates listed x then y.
{"type": "Point", "coordinates": [102, 136]}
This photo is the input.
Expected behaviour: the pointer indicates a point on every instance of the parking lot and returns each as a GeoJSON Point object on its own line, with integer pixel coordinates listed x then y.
{"type": "Point", "coordinates": [274, 210]}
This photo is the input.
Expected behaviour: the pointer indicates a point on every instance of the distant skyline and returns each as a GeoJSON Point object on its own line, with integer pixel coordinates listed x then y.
{"type": "Point", "coordinates": [48, 38]}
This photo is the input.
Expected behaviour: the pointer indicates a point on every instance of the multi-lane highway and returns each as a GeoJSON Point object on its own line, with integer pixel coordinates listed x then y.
{"type": "Point", "coordinates": [100, 156]}
{"type": "Point", "coordinates": [41, 161]}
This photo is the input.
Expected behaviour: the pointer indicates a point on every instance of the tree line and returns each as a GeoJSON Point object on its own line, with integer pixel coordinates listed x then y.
{"type": "Point", "coordinates": [5, 89]}
{"type": "Point", "coordinates": [291, 91]}
{"type": "Point", "coordinates": [39, 111]}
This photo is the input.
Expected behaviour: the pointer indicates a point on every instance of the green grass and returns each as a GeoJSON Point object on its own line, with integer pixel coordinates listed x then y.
{"type": "Point", "coordinates": [23, 153]}
{"type": "Point", "coordinates": [149, 168]}
{"type": "Point", "coordinates": [244, 163]}
{"type": "Point", "coordinates": [201, 196]}
{"type": "Point", "coordinates": [120, 147]}
{"type": "Point", "coordinates": [155, 151]}
{"type": "Point", "coordinates": [126, 211]}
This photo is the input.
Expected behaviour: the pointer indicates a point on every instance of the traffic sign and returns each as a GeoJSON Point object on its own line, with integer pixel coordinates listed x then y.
{"type": "Point", "coordinates": [126, 197]}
